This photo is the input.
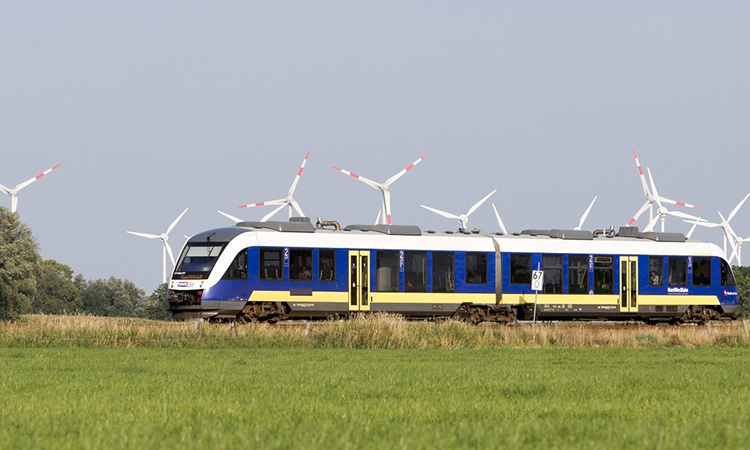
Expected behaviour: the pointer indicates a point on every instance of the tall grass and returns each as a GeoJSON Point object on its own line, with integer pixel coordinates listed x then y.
{"type": "Point", "coordinates": [377, 331]}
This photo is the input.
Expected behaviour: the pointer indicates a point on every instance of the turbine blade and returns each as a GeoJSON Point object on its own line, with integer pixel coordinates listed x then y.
{"type": "Point", "coordinates": [4, 189]}
{"type": "Point", "coordinates": [297, 208]}
{"type": "Point", "coordinates": [387, 202]}
{"type": "Point", "coordinates": [586, 214]}
{"type": "Point", "coordinates": [169, 252]}
{"type": "Point", "coordinates": [652, 224]}
{"type": "Point", "coordinates": [172, 225]}
{"type": "Point", "coordinates": [499, 220]}
{"type": "Point", "coordinates": [230, 217]}
{"type": "Point", "coordinates": [646, 192]}
{"type": "Point", "coordinates": [681, 215]}
{"type": "Point", "coordinates": [643, 209]}
{"type": "Point", "coordinates": [737, 208]}
{"type": "Point", "coordinates": [367, 181]}
{"type": "Point", "coordinates": [479, 203]}
{"type": "Point", "coordinates": [299, 174]}
{"type": "Point", "coordinates": [281, 201]}
{"type": "Point", "coordinates": [653, 187]}
{"type": "Point", "coordinates": [377, 220]}
{"type": "Point", "coordinates": [31, 180]}
{"type": "Point", "coordinates": [674, 202]}
{"type": "Point", "coordinates": [692, 229]}
{"type": "Point", "coordinates": [447, 215]}
{"type": "Point", "coordinates": [390, 180]}
{"type": "Point", "coordinates": [146, 235]}
{"type": "Point", "coordinates": [269, 215]}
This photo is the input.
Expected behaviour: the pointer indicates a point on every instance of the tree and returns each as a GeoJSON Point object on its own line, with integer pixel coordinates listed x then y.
{"type": "Point", "coordinates": [742, 275]}
{"type": "Point", "coordinates": [156, 306]}
{"type": "Point", "coordinates": [111, 297]}
{"type": "Point", "coordinates": [57, 293]}
{"type": "Point", "coordinates": [19, 262]}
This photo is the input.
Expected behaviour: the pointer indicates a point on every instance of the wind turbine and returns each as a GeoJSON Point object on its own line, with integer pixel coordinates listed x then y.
{"type": "Point", "coordinates": [737, 252]}
{"type": "Point", "coordinates": [729, 233]}
{"type": "Point", "coordinates": [586, 214]}
{"type": "Point", "coordinates": [164, 237]}
{"type": "Point", "coordinates": [383, 187]}
{"type": "Point", "coordinates": [282, 202]}
{"type": "Point", "coordinates": [463, 218]}
{"type": "Point", "coordinates": [13, 192]}
{"type": "Point", "coordinates": [663, 212]}
{"type": "Point", "coordinates": [651, 197]}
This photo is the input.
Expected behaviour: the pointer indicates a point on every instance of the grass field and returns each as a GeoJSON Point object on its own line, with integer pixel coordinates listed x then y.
{"type": "Point", "coordinates": [83, 382]}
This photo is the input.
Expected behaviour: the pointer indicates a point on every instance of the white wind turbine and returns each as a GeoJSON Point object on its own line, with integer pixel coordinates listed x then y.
{"type": "Point", "coordinates": [585, 214]}
{"type": "Point", "coordinates": [663, 212]}
{"type": "Point", "coordinates": [652, 197]}
{"type": "Point", "coordinates": [464, 218]}
{"type": "Point", "coordinates": [729, 233]}
{"type": "Point", "coordinates": [282, 202]}
{"type": "Point", "coordinates": [13, 192]}
{"type": "Point", "coordinates": [164, 237]}
{"type": "Point", "coordinates": [383, 187]}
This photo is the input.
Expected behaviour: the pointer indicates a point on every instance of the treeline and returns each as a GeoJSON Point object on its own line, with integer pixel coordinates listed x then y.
{"type": "Point", "coordinates": [29, 284]}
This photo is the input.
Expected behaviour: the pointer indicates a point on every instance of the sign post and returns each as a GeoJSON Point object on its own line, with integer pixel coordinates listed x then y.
{"type": "Point", "coordinates": [537, 283]}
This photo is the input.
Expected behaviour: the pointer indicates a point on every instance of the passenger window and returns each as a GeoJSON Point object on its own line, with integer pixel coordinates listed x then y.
{"type": "Point", "coordinates": [270, 264]}
{"type": "Point", "coordinates": [520, 268]}
{"type": "Point", "coordinates": [238, 268]}
{"type": "Point", "coordinates": [604, 274]}
{"type": "Point", "coordinates": [678, 267]}
{"type": "Point", "coordinates": [552, 265]}
{"type": "Point", "coordinates": [300, 264]}
{"type": "Point", "coordinates": [701, 271]}
{"type": "Point", "coordinates": [656, 271]}
{"type": "Point", "coordinates": [727, 277]}
{"type": "Point", "coordinates": [327, 265]}
{"type": "Point", "coordinates": [443, 272]}
{"type": "Point", "coordinates": [578, 274]}
{"type": "Point", "coordinates": [476, 268]}
{"type": "Point", "coordinates": [387, 271]}
{"type": "Point", "coordinates": [415, 271]}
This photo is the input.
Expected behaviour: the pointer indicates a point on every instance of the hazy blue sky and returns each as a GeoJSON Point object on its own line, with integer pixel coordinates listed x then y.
{"type": "Point", "coordinates": [152, 107]}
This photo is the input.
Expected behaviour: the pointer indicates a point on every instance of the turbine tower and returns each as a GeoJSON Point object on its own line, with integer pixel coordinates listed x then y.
{"type": "Point", "coordinates": [464, 218]}
{"type": "Point", "coordinates": [383, 187]}
{"type": "Point", "coordinates": [282, 202]}
{"type": "Point", "coordinates": [13, 192]}
{"type": "Point", "coordinates": [164, 237]}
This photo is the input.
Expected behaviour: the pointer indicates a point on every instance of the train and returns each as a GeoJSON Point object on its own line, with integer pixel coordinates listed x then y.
{"type": "Point", "coordinates": [273, 271]}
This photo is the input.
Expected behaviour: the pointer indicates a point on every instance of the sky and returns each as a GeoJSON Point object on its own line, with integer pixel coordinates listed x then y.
{"type": "Point", "coordinates": [154, 107]}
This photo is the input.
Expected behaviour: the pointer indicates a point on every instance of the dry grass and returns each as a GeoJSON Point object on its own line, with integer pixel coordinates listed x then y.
{"type": "Point", "coordinates": [378, 331]}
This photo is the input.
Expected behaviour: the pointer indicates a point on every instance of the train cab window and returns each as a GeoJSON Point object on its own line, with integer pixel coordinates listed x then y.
{"type": "Point", "coordinates": [604, 274]}
{"type": "Point", "coordinates": [552, 265]}
{"type": "Point", "coordinates": [678, 269]}
{"type": "Point", "coordinates": [270, 264]}
{"type": "Point", "coordinates": [415, 271]}
{"type": "Point", "coordinates": [386, 269]}
{"type": "Point", "coordinates": [520, 268]}
{"type": "Point", "coordinates": [578, 274]}
{"type": "Point", "coordinates": [238, 268]}
{"type": "Point", "coordinates": [701, 271]}
{"type": "Point", "coordinates": [300, 264]}
{"type": "Point", "coordinates": [443, 272]}
{"type": "Point", "coordinates": [476, 268]}
{"type": "Point", "coordinates": [727, 277]}
{"type": "Point", "coordinates": [327, 265]}
{"type": "Point", "coordinates": [656, 271]}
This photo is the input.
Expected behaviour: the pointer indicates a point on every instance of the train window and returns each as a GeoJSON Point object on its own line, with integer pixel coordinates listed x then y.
{"type": "Point", "coordinates": [520, 268]}
{"type": "Point", "coordinates": [300, 264]}
{"type": "Point", "coordinates": [238, 268]}
{"type": "Point", "coordinates": [656, 271]}
{"type": "Point", "coordinates": [197, 261]}
{"type": "Point", "coordinates": [552, 265]}
{"type": "Point", "coordinates": [604, 274]}
{"type": "Point", "coordinates": [727, 277]}
{"type": "Point", "coordinates": [415, 271]}
{"type": "Point", "coordinates": [678, 268]}
{"type": "Point", "coordinates": [443, 272]}
{"type": "Point", "coordinates": [327, 265]}
{"type": "Point", "coordinates": [476, 268]}
{"type": "Point", "coordinates": [578, 274]}
{"type": "Point", "coordinates": [701, 271]}
{"type": "Point", "coordinates": [387, 271]}
{"type": "Point", "coordinates": [270, 264]}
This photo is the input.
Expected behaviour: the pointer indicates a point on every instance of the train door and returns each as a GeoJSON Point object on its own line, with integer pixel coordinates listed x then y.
{"type": "Point", "coordinates": [628, 284]}
{"type": "Point", "coordinates": [359, 280]}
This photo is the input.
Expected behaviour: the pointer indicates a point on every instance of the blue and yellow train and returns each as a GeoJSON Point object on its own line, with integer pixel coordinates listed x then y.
{"type": "Point", "coordinates": [271, 271]}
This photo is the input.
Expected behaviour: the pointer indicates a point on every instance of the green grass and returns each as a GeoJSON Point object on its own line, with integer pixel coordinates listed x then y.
{"type": "Point", "coordinates": [355, 398]}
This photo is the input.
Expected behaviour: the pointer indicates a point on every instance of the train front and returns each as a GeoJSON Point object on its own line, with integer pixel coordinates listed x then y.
{"type": "Point", "coordinates": [201, 284]}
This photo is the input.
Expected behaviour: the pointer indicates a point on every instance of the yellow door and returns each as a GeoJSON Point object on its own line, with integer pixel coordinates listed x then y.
{"type": "Point", "coordinates": [359, 280]}
{"type": "Point", "coordinates": [628, 284]}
